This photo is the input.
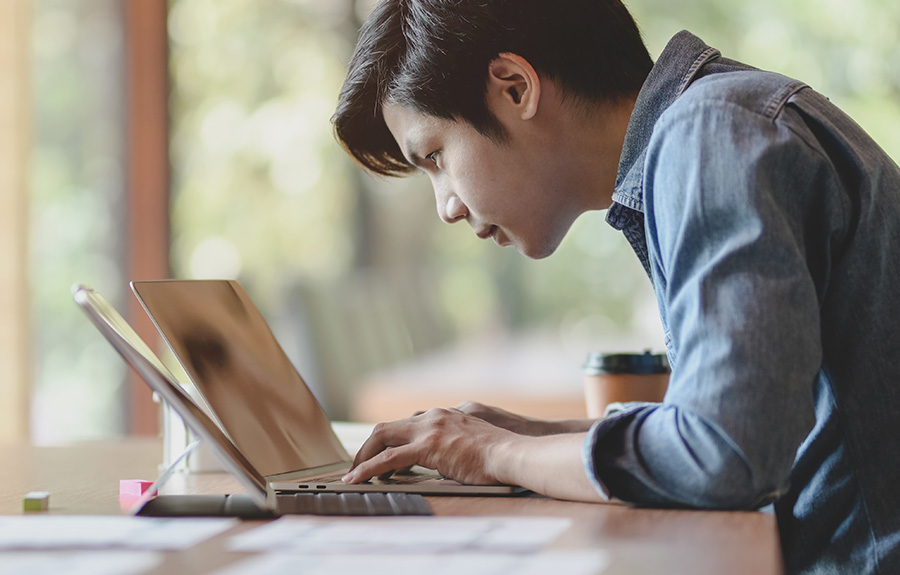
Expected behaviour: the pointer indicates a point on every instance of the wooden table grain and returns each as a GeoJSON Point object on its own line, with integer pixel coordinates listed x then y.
{"type": "Point", "coordinates": [84, 479]}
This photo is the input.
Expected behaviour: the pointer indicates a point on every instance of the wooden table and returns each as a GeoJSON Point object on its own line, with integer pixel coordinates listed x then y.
{"type": "Point", "coordinates": [84, 479]}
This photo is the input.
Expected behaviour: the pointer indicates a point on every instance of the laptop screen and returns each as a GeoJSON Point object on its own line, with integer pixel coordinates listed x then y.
{"type": "Point", "coordinates": [231, 355]}
{"type": "Point", "coordinates": [136, 353]}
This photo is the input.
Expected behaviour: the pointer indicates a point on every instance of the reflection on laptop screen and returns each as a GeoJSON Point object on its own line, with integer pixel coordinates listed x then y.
{"type": "Point", "coordinates": [230, 353]}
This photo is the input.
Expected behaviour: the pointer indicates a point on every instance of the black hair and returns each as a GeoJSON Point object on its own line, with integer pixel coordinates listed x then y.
{"type": "Point", "coordinates": [433, 56]}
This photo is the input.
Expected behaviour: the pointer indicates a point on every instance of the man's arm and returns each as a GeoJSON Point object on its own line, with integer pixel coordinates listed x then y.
{"type": "Point", "coordinates": [471, 450]}
{"type": "Point", "coordinates": [735, 217]}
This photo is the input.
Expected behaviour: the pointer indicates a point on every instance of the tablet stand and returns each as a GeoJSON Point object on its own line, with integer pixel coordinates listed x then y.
{"type": "Point", "coordinates": [162, 479]}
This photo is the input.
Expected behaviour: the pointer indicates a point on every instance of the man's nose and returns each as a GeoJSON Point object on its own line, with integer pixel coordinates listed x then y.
{"type": "Point", "coordinates": [450, 208]}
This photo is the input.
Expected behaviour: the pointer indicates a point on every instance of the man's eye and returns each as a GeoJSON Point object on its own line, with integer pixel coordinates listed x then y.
{"type": "Point", "coordinates": [433, 157]}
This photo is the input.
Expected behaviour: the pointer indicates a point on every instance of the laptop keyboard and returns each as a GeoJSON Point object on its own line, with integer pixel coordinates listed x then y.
{"type": "Point", "coordinates": [398, 479]}
{"type": "Point", "coordinates": [351, 504]}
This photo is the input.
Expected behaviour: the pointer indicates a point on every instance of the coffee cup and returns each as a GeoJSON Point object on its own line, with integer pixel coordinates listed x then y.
{"type": "Point", "coordinates": [623, 377]}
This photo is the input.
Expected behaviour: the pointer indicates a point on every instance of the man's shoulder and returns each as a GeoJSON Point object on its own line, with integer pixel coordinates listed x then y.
{"type": "Point", "coordinates": [751, 90]}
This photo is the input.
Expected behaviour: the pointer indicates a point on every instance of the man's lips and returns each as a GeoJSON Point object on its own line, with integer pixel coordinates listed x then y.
{"type": "Point", "coordinates": [500, 237]}
{"type": "Point", "coordinates": [486, 232]}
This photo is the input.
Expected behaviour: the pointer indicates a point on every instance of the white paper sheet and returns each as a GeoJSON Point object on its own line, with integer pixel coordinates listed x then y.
{"type": "Point", "coordinates": [401, 535]}
{"type": "Point", "coordinates": [78, 562]}
{"type": "Point", "coordinates": [568, 562]}
{"type": "Point", "coordinates": [106, 532]}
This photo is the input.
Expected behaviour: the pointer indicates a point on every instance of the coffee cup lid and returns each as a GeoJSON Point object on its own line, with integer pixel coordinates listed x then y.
{"type": "Point", "coordinates": [621, 363]}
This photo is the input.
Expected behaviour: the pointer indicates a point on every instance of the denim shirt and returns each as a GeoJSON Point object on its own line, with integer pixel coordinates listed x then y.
{"type": "Point", "coordinates": [769, 223]}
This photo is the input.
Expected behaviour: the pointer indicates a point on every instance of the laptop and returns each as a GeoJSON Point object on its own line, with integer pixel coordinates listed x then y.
{"type": "Point", "coordinates": [274, 436]}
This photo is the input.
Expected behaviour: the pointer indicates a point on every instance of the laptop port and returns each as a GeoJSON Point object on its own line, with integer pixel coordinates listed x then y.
{"type": "Point", "coordinates": [320, 487]}
{"type": "Point", "coordinates": [303, 487]}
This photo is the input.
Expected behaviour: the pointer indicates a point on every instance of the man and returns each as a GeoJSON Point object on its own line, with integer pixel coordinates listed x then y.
{"type": "Point", "coordinates": [766, 219]}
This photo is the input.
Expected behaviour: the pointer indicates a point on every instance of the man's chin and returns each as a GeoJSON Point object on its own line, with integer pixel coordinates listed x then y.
{"type": "Point", "coordinates": [536, 252]}
{"type": "Point", "coordinates": [545, 246]}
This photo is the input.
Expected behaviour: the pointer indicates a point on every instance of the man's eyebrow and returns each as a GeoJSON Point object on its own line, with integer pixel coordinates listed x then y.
{"type": "Point", "coordinates": [411, 156]}
{"type": "Point", "coordinates": [414, 159]}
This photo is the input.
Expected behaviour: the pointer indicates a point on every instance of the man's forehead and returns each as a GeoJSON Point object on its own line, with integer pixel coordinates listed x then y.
{"type": "Point", "coordinates": [408, 119]}
{"type": "Point", "coordinates": [410, 128]}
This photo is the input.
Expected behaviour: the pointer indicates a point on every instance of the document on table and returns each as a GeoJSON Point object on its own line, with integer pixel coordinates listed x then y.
{"type": "Point", "coordinates": [401, 535]}
{"type": "Point", "coordinates": [541, 563]}
{"type": "Point", "coordinates": [391, 545]}
{"type": "Point", "coordinates": [106, 532]}
{"type": "Point", "coordinates": [78, 562]}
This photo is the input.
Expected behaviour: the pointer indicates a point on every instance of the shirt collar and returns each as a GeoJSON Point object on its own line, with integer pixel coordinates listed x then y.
{"type": "Point", "coordinates": [670, 76]}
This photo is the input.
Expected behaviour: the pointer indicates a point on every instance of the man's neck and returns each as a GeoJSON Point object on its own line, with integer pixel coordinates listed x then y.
{"type": "Point", "coordinates": [594, 135]}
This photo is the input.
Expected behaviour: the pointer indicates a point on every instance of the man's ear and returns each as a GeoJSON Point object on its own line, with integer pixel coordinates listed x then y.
{"type": "Point", "coordinates": [513, 86]}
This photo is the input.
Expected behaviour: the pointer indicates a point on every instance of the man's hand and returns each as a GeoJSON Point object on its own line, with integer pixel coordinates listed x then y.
{"type": "Point", "coordinates": [471, 450]}
{"type": "Point", "coordinates": [459, 446]}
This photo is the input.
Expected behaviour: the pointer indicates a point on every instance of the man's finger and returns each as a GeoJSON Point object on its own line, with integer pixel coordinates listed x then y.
{"type": "Point", "coordinates": [384, 435]}
{"type": "Point", "coordinates": [383, 464]}
{"type": "Point", "coordinates": [372, 446]}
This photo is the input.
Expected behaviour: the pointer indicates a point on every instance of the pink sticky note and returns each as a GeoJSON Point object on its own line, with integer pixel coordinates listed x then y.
{"type": "Point", "coordinates": [133, 486]}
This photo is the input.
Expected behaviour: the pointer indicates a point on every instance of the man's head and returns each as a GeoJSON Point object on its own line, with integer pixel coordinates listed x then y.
{"type": "Point", "coordinates": [438, 60]}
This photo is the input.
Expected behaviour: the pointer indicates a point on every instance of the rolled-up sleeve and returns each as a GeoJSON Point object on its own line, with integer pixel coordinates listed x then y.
{"type": "Point", "coordinates": [731, 207]}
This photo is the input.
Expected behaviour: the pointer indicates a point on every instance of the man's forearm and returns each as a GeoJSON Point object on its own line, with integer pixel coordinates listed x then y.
{"type": "Point", "coordinates": [523, 424]}
{"type": "Point", "coordinates": [565, 426]}
{"type": "Point", "coordinates": [550, 465]}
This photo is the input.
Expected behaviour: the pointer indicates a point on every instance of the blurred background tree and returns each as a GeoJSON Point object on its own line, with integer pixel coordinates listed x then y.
{"type": "Point", "coordinates": [355, 273]}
